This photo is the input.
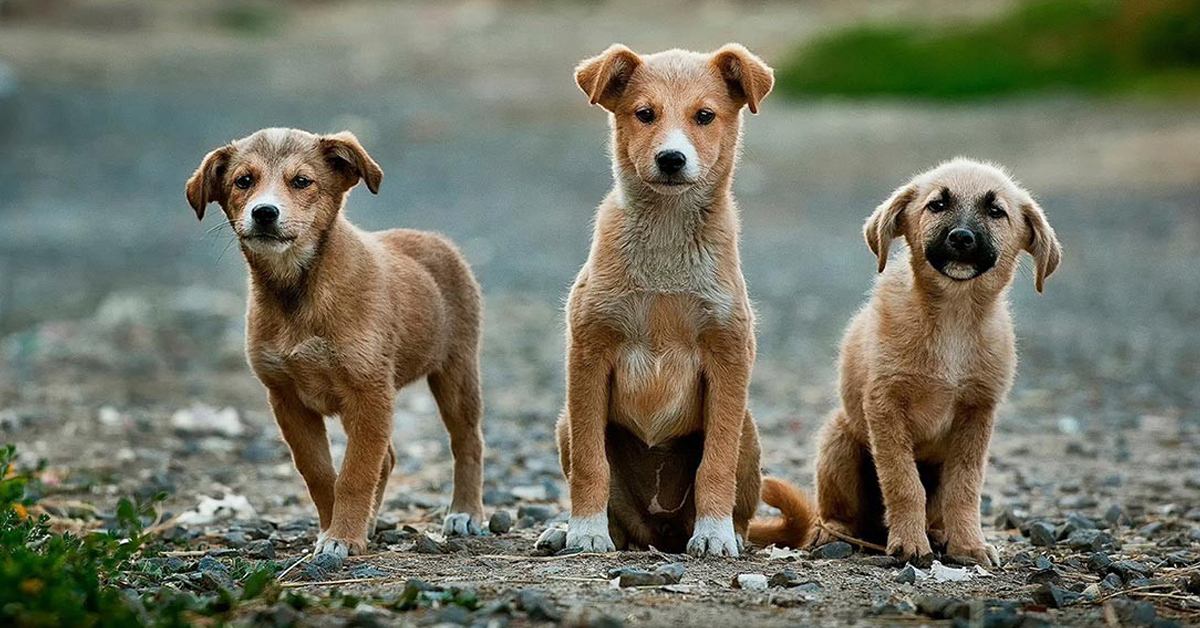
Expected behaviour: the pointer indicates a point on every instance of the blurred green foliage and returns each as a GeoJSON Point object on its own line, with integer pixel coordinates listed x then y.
{"type": "Point", "coordinates": [52, 579]}
{"type": "Point", "coordinates": [1096, 46]}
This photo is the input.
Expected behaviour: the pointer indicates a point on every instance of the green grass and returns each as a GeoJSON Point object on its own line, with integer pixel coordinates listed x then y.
{"type": "Point", "coordinates": [1090, 46]}
{"type": "Point", "coordinates": [99, 579]}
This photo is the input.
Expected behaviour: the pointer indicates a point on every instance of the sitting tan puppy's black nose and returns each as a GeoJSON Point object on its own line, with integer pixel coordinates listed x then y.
{"type": "Point", "coordinates": [264, 215]}
{"type": "Point", "coordinates": [670, 161]}
{"type": "Point", "coordinates": [962, 240]}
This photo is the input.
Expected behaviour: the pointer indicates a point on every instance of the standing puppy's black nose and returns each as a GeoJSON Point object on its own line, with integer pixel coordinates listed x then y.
{"type": "Point", "coordinates": [265, 215]}
{"type": "Point", "coordinates": [670, 161]}
{"type": "Point", "coordinates": [962, 240]}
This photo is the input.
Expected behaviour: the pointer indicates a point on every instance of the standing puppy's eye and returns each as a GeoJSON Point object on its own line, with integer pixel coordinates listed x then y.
{"type": "Point", "coordinates": [300, 182]}
{"type": "Point", "coordinates": [996, 212]}
{"type": "Point", "coordinates": [936, 205]}
{"type": "Point", "coordinates": [244, 182]}
{"type": "Point", "coordinates": [705, 116]}
{"type": "Point", "coordinates": [645, 114]}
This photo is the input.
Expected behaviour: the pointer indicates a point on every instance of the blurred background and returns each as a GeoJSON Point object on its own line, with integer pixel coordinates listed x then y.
{"type": "Point", "coordinates": [119, 312]}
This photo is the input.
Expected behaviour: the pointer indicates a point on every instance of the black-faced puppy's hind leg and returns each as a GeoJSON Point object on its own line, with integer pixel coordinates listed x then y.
{"type": "Point", "coordinates": [840, 482]}
{"type": "Point", "coordinates": [460, 401]}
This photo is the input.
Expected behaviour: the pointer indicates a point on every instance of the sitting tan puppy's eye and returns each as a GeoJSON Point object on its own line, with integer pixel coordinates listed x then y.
{"type": "Point", "coordinates": [244, 182]}
{"type": "Point", "coordinates": [645, 114]}
{"type": "Point", "coordinates": [300, 182]}
{"type": "Point", "coordinates": [705, 116]}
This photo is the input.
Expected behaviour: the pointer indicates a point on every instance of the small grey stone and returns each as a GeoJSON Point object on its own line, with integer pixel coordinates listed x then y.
{"type": "Point", "coordinates": [537, 606]}
{"type": "Point", "coordinates": [1094, 540]}
{"type": "Point", "coordinates": [261, 549]}
{"type": "Point", "coordinates": [908, 575]}
{"type": "Point", "coordinates": [1042, 534]}
{"type": "Point", "coordinates": [786, 579]}
{"type": "Point", "coordinates": [426, 545]}
{"type": "Point", "coordinates": [1111, 582]}
{"type": "Point", "coordinates": [750, 582]}
{"type": "Point", "coordinates": [1131, 613]}
{"type": "Point", "coordinates": [452, 615]}
{"type": "Point", "coordinates": [501, 522]}
{"type": "Point", "coordinates": [368, 571]}
{"type": "Point", "coordinates": [1115, 515]}
{"type": "Point", "coordinates": [671, 573]}
{"type": "Point", "coordinates": [1049, 595]}
{"type": "Point", "coordinates": [328, 562]}
{"type": "Point", "coordinates": [1099, 562]}
{"type": "Point", "coordinates": [536, 513]}
{"type": "Point", "coordinates": [1130, 569]}
{"type": "Point", "coordinates": [834, 550]}
{"type": "Point", "coordinates": [496, 497]}
{"type": "Point", "coordinates": [1151, 529]}
{"type": "Point", "coordinates": [278, 616]}
{"type": "Point", "coordinates": [1042, 576]}
{"type": "Point", "coordinates": [637, 578]}
{"type": "Point", "coordinates": [392, 537]}
{"type": "Point", "coordinates": [552, 540]}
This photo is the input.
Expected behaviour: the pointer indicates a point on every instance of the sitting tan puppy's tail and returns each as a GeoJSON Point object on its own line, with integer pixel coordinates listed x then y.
{"type": "Point", "coordinates": [797, 523]}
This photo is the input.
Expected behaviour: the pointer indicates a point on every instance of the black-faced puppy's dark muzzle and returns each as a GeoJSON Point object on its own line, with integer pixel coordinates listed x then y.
{"type": "Point", "coordinates": [961, 251]}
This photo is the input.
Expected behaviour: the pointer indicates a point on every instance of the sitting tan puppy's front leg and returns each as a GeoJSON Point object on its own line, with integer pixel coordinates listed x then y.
{"type": "Point", "coordinates": [962, 482]}
{"type": "Point", "coordinates": [899, 480]}
{"type": "Point", "coordinates": [587, 415]}
{"type": "Point", "coordinates": [367, 417]}
{"type": "Point", "coordinates": [716, 478]}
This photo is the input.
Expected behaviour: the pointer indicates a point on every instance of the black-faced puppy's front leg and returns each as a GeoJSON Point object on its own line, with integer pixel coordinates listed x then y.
{"type": "Point", "coordinates": [962, 481]}
{"type": "Point", "coordinates": [899, 480]}
{"type": "Point", "coordinates": [367, 418]}
{"type": "Point", "coordinates": [588, 373]}
{"type": "Point", "coordinates": [727, 378]}
{"type": "Point", "coordinates": [304, 432]}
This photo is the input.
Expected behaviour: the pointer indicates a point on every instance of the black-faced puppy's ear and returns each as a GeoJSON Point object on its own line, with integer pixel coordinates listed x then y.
{"type": "Point", "coordinates": [1043, 243]}
{"type": "Point", "coordinates": [347, 156]}
{"type": "Point", "coordinates": [748, 78]}
{"type": "Point", "coordinates": [207, 184]}
{"type": "Point", "coordinates": [886, 222]}
{"type": "Point", "coordinates": [604, 77]}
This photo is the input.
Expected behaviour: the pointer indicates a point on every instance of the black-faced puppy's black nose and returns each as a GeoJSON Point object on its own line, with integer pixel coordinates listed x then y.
{"type": "Point", "coordinates": [962, 240]}
{"type": "Point", "coordinates": [670, 161]}
{"type": "Point", "coordinates": [264, 215]}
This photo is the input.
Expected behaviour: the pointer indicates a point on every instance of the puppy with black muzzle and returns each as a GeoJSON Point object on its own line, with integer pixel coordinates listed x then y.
{"type": "Point", "coordinates": [923, 368]}
{"type": "Point", "coordinates": [340, 319]}
{"type": "Point", "coordinates": [656, 439]}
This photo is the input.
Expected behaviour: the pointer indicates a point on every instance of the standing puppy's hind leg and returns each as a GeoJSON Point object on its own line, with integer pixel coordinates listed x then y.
{"type": "Point", "coordinates": [456, 389]}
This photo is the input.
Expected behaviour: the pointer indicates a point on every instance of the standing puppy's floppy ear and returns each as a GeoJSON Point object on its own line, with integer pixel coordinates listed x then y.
{"type": "Point", "coordinates": [205, 185]}
{"type": "Point", "coordinates": [748, 78]}
{"type": "Point", "coordinates": [884, 224]}
{"type": "Point", "coordinates": [1043, 243]}
{"type": "Point", "coordinates": [349, 157]}
{"type": "Point", "coordinates": [604, 77]}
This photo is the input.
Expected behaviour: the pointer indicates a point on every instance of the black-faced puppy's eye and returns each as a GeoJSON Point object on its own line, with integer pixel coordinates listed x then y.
{"type": "Point", "coordinates": [996, 212]}
{"type": "Point", "coordinates": [244, 182]}
{"type": "Point", "coordinates": [300, 182]}
{"type": "Point", "coordinates": [705, 116]}
{"type": "Point", "coordinates": [936, 205]}
{"type": "Point", "coordinates": [645, 114]}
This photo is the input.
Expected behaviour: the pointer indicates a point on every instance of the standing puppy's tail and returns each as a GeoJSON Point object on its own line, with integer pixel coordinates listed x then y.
{"type": "Point", "coordinates": [797, 523]}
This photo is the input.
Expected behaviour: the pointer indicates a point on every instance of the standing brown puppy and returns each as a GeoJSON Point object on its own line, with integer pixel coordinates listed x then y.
{"type": "Point", "coordinates": [340, 319]}
{"type": "Point", "coordinates": [656, 440]}
{"type": "Point", "coordinates": [924, 366]}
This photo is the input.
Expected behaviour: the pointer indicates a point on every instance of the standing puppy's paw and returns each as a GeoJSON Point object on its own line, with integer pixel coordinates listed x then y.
{"type": "Point", "coordinates": [338, 548]}
{"type": "Point", "coordinates": [590, 534]}
{"type": "Point", "coordinates": [714, 537]}
{"type": "Point", "coordinates": [462, 524]}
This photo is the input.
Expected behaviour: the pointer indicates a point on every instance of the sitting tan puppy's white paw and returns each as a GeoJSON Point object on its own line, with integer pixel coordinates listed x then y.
{"type": "Point", "coordinates": [714, 537]}
{"type": "Point", "coordinates": [462, 524]}
{"type": "Point", "coordinates": [590, 534]}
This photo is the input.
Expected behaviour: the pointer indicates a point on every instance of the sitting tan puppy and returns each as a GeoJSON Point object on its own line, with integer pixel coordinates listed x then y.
{"type": "Point", "coordinates": [924, 366]}
{"type": "Point", "coordinates": [656, 440]}
{"type": "Point", "coordinates": [340, 319]}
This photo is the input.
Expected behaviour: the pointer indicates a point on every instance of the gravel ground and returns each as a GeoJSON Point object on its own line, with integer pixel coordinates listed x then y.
{"type": "Point", "coordinates": [121, 361]}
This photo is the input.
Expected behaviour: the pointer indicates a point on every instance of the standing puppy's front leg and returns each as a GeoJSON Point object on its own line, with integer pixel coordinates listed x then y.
{"type": "Point", "coordinates": [899, 480]}
{"type": "Point", "coordinates": [304, 432]}
{"type": "Point", "coordinates": [962, 481]}
{"type": "Point", "coordinates": [727, 377]}
{"type": "Point", "coordinates": [367, 417]}
{"type": "Point", "coordinates": [588, 374]}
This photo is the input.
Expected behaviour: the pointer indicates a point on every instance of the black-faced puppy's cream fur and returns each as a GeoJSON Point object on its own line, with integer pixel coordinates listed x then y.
{"type": "Point", "coordinates": [656, 440]}
{"type": "Point", "coordinates": [924, 366]}
{"type": "Point", "coordinates": [340, 319]}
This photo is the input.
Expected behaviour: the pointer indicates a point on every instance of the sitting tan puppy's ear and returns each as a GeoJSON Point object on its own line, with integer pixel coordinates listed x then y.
{"type": "Point", "coordinates": [1043, 243]}
{"type": "Point", "coordinates": [604, 77]}
{"type": "Point", "coordinates": [748, 78]}
{"type": "Point", "coordinates": [884, 224]}
{"type": "Point", "coordinates": [204, 186]}
{"type": "Point", "coordinates": [349, 157]}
